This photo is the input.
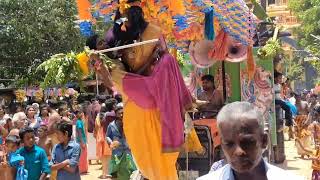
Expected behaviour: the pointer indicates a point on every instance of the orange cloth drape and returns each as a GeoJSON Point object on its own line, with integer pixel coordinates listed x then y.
{"type": "Point", "coordinates": [143, 132]}
{"type": "Point", "coordinates": [84, 9]}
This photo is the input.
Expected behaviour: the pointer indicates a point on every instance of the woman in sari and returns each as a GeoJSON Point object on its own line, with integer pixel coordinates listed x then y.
{"type": "Point", "coordinates": [155, 96]}
{"type": "Point", "coordinates": [303, 135]}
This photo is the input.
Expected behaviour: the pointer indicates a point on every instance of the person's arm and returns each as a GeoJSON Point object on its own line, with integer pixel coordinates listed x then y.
{"type": "Point", "coordinates": [45, 166]}
{"type": "Point", "coordinates": [102, 70]}
{"type": "Point", "coordinates": [74, 160]}
{"type": "Point", "coordinates": [109, 135]}
{"type": "Point", "coordinates": [61, 165]}
{"type": "Point", "coordinates": [50, 148]}
{"type": "Point", "coordinates": [57, 166]}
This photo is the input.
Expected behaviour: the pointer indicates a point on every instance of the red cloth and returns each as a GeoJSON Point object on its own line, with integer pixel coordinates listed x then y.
{"type": "Point", "coordinates": [83, 161]}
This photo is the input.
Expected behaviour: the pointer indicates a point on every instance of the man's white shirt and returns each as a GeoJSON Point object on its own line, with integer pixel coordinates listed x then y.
{"type": "Point", "coordinates": [273, 173]}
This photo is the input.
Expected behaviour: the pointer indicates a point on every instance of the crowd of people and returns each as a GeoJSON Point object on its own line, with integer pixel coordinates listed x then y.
{"type": "Point", "coordinates": [302, 113]}
{"type": "Point", "coordinates": [51, 140]}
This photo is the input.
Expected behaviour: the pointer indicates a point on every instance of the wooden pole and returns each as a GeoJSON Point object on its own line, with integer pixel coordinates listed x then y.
{"type": "Point", "coordinates": [128, 46]}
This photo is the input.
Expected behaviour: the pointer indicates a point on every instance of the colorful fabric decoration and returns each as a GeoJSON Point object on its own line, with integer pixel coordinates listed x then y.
{"type": "Point", "coordinates": [198, 52]}
{"type": "Point", "coordinates": [250, 63]}
{"type": "Point", "coordinates": [86, 28]}
{"type": "Point", "coordinates": [209, 25]}
{"type": "Point", "coordinates": [84, 9]}
{"type": "Point", "coordinates": [233, 16]}
{"type": "Point", "coordinates": [184, 20]}
{"type": "Point", "coordinates": [220, 47]}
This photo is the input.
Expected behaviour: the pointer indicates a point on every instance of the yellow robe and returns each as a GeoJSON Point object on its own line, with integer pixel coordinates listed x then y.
{"type": "Point", "coordinates": [142, 126]}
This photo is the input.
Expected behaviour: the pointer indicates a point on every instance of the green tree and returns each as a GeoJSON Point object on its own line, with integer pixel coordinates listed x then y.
{"type": "Point", "coordinates": [308, 13]}
{"type": "Point", "coordinates": [33, 30]}
{"type": "Point", "coordinates": [294, 68]}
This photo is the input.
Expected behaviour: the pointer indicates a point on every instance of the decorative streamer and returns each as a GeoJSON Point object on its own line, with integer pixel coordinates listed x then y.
{"type": "Point", "coordinates": [209, 26]}
{"type": "Point", "coordinates": [220, 48]}
{"type": "Point", "coordinates": [250, 63]}
{"type": "Point", "coordinates": [84, 9]}
{"type": "Point", "coordinates": [86, 28]}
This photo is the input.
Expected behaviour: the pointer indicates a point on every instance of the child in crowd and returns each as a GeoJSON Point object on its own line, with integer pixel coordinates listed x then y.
{"type": "Point", "coordinates": [66, 154]}
{"type": "Point", "coordinates": [122, 165]}
{"type": "Point", "coordinates": [44, 114]}
{"type": "Point", "coordinates": [64, 113]}
{"type": "Point", "coordinates": [36, 160]}
{"type": "Point", "coordinates": [14, 159]}
{"type": "Point", "coordinates": [82, 140]}
{"type": "Point", "coordinates": [44, 141]}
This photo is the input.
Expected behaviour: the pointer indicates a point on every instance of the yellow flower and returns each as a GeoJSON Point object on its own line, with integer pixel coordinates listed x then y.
{"type": "Point", "coordinates": [83, 60]}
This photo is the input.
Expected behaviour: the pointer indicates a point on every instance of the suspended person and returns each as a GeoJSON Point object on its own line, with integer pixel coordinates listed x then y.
{"type": "Point", "coordinates": [153, 91]}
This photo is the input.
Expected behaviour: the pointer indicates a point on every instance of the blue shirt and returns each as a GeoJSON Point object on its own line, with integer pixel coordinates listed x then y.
{"type": "Point", "coordinates": [293, 108]}
{"type": "Point", "coordinates": [71, 152]}
{"type": "Point", "coordinates": [36, 162]}
{"type": "Point", "coordinates": [80, 127]}
{"type": "Point", "coordinates": [114, 134]}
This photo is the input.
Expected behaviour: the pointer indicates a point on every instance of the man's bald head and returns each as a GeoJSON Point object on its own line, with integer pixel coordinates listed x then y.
{"type": "Point", "coordinates": [243, 139]}
{"type": "Point", "coordinates": [240, 110]}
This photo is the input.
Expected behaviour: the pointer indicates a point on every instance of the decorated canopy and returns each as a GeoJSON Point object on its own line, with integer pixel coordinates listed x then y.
{"type": "Point", "coordinates": [228, 24]}
{"type": "Point", "coordinates": [182, 20]}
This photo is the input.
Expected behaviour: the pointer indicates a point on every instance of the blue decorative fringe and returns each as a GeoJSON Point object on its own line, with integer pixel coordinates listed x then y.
{"type": "Point", "coordinates": [209, 25]}
{"type": "Point", "coordinates": [86, 28]}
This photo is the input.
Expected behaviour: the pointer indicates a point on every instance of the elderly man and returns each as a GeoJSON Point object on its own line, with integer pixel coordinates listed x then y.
{"type": "Point", "coordinates": [243, 141]}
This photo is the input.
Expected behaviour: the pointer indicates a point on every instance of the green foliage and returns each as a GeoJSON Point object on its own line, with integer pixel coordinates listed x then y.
{"type": "Point", "coordinates": [180, 59]}
{"type": "Point", "coordinates": [60, 69]}
{"type": "Point", "coordinates": [270, 50]}
{"type": "Point", "coordinates": [33, 30]}
{"type": "Point", "coordinates": [308, 13]}
{"type": "Point", "coordinates": [295, 68]}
